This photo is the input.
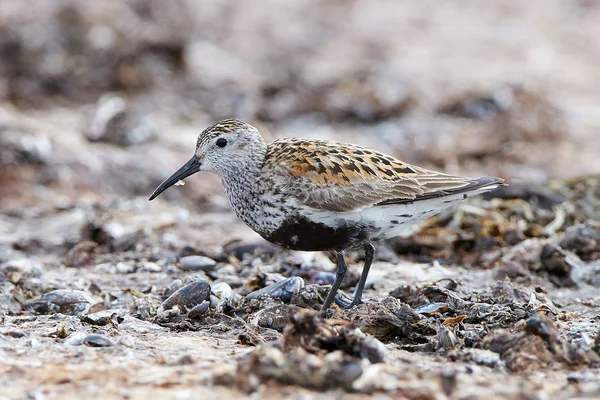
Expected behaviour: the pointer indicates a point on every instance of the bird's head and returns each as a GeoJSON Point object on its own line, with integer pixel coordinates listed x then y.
{"type": "Point", "coordinates": [227, 147]}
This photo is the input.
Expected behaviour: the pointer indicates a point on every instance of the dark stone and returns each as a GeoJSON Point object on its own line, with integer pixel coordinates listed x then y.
{"type": "Point", "coordinates": [95, 340]}
{"type": "Point", "coordinates": [582, 239]}
{"type": "Point", "coordinates": [554, 263]}
{"type": "Point", "coordinates": [64, 301]}
{"type": "Point", "coordinates": [187, 297]}
{"type": "Point", "coordinates": [199, 310]}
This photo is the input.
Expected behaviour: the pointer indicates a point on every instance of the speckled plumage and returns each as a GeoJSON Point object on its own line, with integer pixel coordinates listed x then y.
{"type": "Point", "coordinates": [314, 195]}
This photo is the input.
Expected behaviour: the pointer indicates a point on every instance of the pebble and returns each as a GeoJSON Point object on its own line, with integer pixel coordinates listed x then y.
{"type": "Point", "coordinates": [103, 267]}
{"type": "Point", "coordinates": [9, 303]}
{"type": "Point", "coordinates": [36, 344]}
{"type": "Point", "coordinates": [197, 263]}
{"type": "Point", "coordinates": [172, 269]}
{"type": "Point", "coordinates": [214, 301]}
{"type": "Point", "coordinates": [377, 377]}
{"type": "Point", "coordinates": [199, 310]}
{"type": "Point", "coordinates": [14, 270]}
{"type": "Point", "coordinates": [447, 340]}
{"type": "Point", "coordinates": [188, 296]}
{"type": "Point", "coordinates": [222, 290]}
{"type": "Point", "coordinates": [150, 266]}
{"type": "Point", "coordinates": [174, 285]}
{"type": "Point", "coordinates": [131, 324]}
{"type": "Point", "coordinates": [103, 317]}
{"type": "Point", "coordinates": [11, 332]}
{"type": "Point", "coordinates": [124, 268]}
{"type": "Point", "coordinates": [65, 301]}
{"type": "Point", "coordinates": [485, 357]}
{"type": "Point", "coordinates": [582, 376]}
{"type": "Point", "coordinates": [274, 317]}
{"type": "Point", "coordinates": [95, 340]}
{"type": "Point", "coordinates": [283, 290]}
{"type": "Point", "coordinates": [127, 341]}
{"type": "Point", "coordinates": [75, 339]}
{"type": "Point", "coordinates": [197, 276]}
{"type": "Point", "coordinates": [582, 239]}
{"type": "Point", "coordinates": [223, 296]}
{"type": "Point", "coordinates": [115, 122]}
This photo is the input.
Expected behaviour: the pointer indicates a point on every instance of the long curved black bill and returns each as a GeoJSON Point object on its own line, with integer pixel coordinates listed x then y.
{"type": "Point", "coordinates": [189, 168]}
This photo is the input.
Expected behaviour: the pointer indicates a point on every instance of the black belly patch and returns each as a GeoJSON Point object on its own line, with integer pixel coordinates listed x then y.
{"type": "Point", "coordinates": [300, 233]}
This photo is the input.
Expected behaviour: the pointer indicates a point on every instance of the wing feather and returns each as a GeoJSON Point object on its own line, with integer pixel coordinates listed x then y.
{"type": "Point", "coordinates": [336, 176]}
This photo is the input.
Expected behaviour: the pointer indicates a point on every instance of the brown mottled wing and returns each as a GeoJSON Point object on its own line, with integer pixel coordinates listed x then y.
{"type": "Point", "coordinates": [343, 177]}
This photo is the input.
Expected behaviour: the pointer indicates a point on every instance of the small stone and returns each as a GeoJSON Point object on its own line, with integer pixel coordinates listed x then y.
{"type": "Point", "coordinates": [185, 359]}
{"type": "Point", "coordinates": [188, 296]}
{"type": "Point", "coordinates": [174, 285]}
{"type": "Point", "coordinates": [582, 239]}
{"type": "Point", "coordinates": [221, 290]}
{"type": "Point", "coordinates": [554, 263]}
{"type": "Point", "coordinates": [283, 290]}
{"type": "Point", "coordinates": [485, 357]}
{"type": "Point", "coordinates": [223, 297]}
{"type": "Point", "coordinates": [447, 340]}
{"type": "Point", "coordinates": [199, 310]}
{"type": "Point", "coordinates": [196, 276]}
{"type": "Point", "coordinates": [197, 263]}
{"type": "Point", "coordinates": [214, 301]}
{"type": "Point", "coordinates": [21, 145]}
{"type": "Point", "coordinates": [95, 340]}
{"type": "Point", "coordinates": [127, 341]}
{"type": "Point", "coordinates": [36, 344]}
{"type": "Point", "coordinates": [378, 377]}
{"type": "Point", "coordinates": [274, 317]}
{"type": "Point", "coordinates": [81, 255]}
{"type": "Point", "coordinates": [131, 324]}
{"type": "Point", "coordinates": [115, 122]}
{"type": "Point", "coordinates": [75, 339]}
{"type": "Point", "coordinates": [150, 266]}
{"type": "Point", "coordinates": [9, 303]}
{"type": "Point", "coordinates": [15, 270]}
{"type": "Point", "coordinates": [101, 318]}
{"type": "Point", "coordinates": [14, 333]}
{"type": "Point", "coordinates": [124, 268]}
{"type": "Point", "coordinates": [64, 301]}
{"type": "Point", "coordinates": [104, 267]}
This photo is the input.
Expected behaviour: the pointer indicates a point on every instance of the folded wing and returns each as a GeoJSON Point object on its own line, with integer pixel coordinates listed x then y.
{"type": "Point", "coordinates": [344, 177]}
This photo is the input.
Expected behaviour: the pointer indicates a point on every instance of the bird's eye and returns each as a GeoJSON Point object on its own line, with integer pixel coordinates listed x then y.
{"type": "Point", "coordinates": [221, 142]}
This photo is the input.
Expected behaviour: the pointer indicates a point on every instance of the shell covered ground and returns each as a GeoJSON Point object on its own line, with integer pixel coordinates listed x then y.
{"type": "Point", "coordinates": [106, 295]}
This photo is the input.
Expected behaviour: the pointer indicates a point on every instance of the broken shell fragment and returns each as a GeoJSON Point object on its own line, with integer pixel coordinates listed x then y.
{"type": "Point", "coordinates": [283, 290]}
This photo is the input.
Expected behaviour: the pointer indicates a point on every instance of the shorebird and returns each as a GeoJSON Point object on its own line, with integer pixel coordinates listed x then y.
{"type": "Point", "coordinates": [317, 195]}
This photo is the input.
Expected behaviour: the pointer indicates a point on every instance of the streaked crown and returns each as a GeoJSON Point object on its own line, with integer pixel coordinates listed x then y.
{"type": "Point", "coordinates": [223, 127]}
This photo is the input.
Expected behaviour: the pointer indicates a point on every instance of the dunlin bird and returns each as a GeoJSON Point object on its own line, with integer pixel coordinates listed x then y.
{"type": "Point", "coordinates": [317, 195]}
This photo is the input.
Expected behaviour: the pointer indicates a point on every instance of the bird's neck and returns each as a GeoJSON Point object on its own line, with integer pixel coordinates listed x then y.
{"type": "Point", "coordinates": [244, 188]}
{"type": "Point", "coordinates": [241, 177]}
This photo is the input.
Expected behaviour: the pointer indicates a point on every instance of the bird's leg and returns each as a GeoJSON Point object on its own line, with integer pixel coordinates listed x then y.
{"type": "Point", "coordinates": [369, 254]}
{"type": "Point", "coordinates": [340, 273]}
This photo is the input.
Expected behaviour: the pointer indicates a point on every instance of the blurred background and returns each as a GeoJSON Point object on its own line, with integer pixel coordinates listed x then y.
{"type": "Point", "coordinates": [100, 101]}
